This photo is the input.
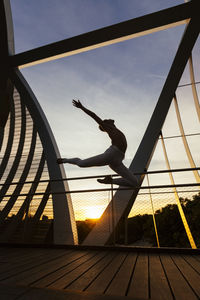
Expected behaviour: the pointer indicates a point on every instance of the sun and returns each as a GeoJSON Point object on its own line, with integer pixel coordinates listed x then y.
{"type": "Point", "coordinates": [94, 212]}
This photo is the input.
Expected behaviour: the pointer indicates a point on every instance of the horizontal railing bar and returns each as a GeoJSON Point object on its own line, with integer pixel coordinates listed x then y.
{"type": "Point", "coordinates": [139, 194]}
{"type": "Point", "coordinates": [170, 192]}
{"type": "Point", "coordinates": [176, 136]}
{"type": "Point", "coordinates": [99, 176]}
{"type": "Point", "coordinates": [170, 171]}
{"type": "Point", "coordinates": [103, 190]}
{"type": "Point", "coordinates": [192, 83]}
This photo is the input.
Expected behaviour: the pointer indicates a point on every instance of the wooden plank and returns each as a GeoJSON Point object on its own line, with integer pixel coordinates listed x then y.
{"type": "Point", "coordinates": [24, 259]}
{"type": "Point", "coordinates": [33, 274]}
{"type": "Point", "coordinates": [52, 294]}
{"type": "Point", "coordinates": [10, 256]}
{"type": "Point", "coordinates": [139, 286]}
{"type": "Point", "coordinates": [28, 253]}
{"type": "Point", "coordinates": [83, 281]}
{"type": "Point", "coordinates": [70, 277]}
{"type": "Point", "coordinates": [57, 274]}
{"type": "Point", "coordinates": [12, 292]}
{"type": "Point", "coordinates": [179, 285]}
{"type": "Point", "coordinates": [21, 260]}
{"type": "Point", "coordinates": [15, 255]}
{"type": "Point", "coordinates": [103, 272]}
{"type": "Point", "coordinates": [197, 257]}
{"type": "Point", "coordinates": [4, 252]}
{"type": "Point", "coordinates": [193, 262]}
{"type": "Point", "coordinates": [49, 256]}
{"type": "Point", "coordinates": [192, 277]}
{"type": "Point", "coordinates": [17, 261]}
{"type": "Point", "coordinates": [36, 274]}
{"type": "Point", "coordinates": [21, 265]}
{"type": "Point", "coordinates": [120, 282]}
{"type": "Point", "coordinates": [159, 287]}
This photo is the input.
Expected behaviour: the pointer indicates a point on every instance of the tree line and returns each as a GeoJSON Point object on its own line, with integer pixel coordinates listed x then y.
{"type": "Point", "coordinates": [171, 232]}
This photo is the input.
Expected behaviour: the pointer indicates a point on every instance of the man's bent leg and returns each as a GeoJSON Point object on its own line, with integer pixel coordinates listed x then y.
{"type": "Point", "coordinates": [128, 177]}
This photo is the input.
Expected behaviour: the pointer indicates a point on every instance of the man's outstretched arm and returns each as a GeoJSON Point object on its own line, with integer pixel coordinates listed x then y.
{"type": "Point", "coordinates": [78, 104]}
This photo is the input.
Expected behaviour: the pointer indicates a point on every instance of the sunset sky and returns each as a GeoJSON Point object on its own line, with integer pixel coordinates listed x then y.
{"type": "Point", "coordinates": [121, 81]}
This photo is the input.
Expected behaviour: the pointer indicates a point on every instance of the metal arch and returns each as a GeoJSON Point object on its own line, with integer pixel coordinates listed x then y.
{"type": "Point", "coordinates": [4, 112]}
{"type": "Point", "coordinates": [194, 90]}
{"type": "Point", "coordinates": [65, 231]}
{"type": "Point", "coordinates": [5, 211]}
{"type": "Point", "coordinates": [6, 88]}
{"type": "Point", "coordinates": [5, 137]}
{"type": "Point", "coordinates": [1, 136]}
{"type": "Point", "coordinates": [9, 142]}
{"type": "Point", "coordinates": [192, 78]}
{"type": "Point", "coordinates": [181, 212]}
{"type": "Point", "coordinates": [31, 228]}
{"type": "Point", "coordinates": [12, 227]}
{"type": "Point", "coordinates": [16, 161]}
{"type": "Point", "coordinates": [6, 48]}
{"type": "Point", "coordinates": [185, 143]}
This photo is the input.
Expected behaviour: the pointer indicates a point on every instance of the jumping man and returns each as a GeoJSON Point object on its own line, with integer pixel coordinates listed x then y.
{"type": "Point", "coordinates": [112, 157]}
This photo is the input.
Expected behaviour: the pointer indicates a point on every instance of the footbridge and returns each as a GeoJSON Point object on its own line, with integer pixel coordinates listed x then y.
{"type": "Point", "coordinates": [145, 242]}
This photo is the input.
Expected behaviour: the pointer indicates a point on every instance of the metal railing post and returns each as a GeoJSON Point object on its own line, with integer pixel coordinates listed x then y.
{"type": "Point", "coordinates": [113, 215]}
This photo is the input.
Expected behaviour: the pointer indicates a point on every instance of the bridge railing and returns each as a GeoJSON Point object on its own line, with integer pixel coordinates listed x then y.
{"type": "Point", "coordinates": [161, 216]}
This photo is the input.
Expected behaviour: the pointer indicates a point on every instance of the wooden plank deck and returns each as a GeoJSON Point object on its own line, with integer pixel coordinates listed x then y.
{"type": "Point", "coordinates": [98, 274]}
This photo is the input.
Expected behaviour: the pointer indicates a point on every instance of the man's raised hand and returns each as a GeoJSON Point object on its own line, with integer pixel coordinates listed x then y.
{"type": "Point", "coordinates": [77, 103]}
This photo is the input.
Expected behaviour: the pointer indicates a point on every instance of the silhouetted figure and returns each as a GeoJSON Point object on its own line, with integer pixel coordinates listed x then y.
{"type": "Point", "coordinates": [112, 157]}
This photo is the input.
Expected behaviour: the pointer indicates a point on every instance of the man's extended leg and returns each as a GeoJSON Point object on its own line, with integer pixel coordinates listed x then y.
{"type": "Point", "coordinates": [95, 161]}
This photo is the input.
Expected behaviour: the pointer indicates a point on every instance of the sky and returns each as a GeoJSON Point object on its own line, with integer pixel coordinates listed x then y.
{"type": "Point", "coordinates": [121, 81]}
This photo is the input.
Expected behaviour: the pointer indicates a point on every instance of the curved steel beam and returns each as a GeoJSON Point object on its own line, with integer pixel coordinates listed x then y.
{"type": "Point", "coordinates": [8, 150]}
{"type": "Point", "coordinates": [181, 212]}
{"type": "Point", "coordinates": [5, 211]}
{"type": "Point", "coordinates": [6, 49]}
{"type": "Point", "coordinates": [4, 111]}
{"type": "Point", "coordinates": [1, 136]}
{"type": "Point", "coordinates": [194, 90]}
{"type": "Point", "coordinates": [185, 143]}
{"type": "Point", "coordinates": [6, 88]}
{"type": "Point", "coordinates": [29, 231]}
{"type": "Point", "coordinates": [65, 231]}
{"type": "Point", "coordinates": [17, 158]}
{"type": "Point", "coordinates": [16, 221]}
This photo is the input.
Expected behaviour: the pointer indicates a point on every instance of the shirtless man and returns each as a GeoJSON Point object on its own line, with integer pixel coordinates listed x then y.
{"type": "Point", "coordinates": [112, 157]}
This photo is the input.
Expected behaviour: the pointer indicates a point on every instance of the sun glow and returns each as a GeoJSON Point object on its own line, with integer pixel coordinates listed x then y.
{"type": "Point", "coordinates": [94, 212]}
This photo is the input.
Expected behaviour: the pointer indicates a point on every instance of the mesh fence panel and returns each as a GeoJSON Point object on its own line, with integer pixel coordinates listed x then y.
{"type": "Point", "coordinates": [153, 221]}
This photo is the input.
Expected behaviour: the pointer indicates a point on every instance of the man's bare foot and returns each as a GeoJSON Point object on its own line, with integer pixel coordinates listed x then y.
{"type": "Point", "coordinates": [106, 180]}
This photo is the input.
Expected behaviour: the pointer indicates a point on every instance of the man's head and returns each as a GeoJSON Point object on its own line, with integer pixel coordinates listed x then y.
{"type": "Point", "coordinates": [107, 122]}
